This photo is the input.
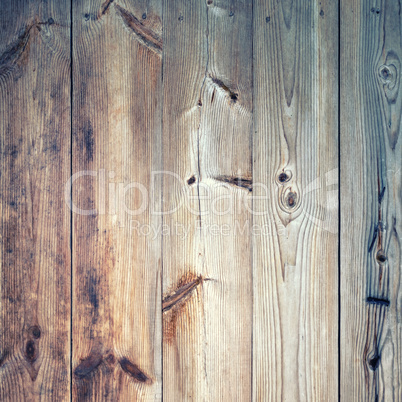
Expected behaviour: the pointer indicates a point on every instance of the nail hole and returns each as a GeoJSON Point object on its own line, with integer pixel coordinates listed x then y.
{"type": "Point", "coordinates": [267, 19]}
{"type": "Point", "coordinates": [144, 16]}
{"type": "Point", "coordinates": [50, 21]}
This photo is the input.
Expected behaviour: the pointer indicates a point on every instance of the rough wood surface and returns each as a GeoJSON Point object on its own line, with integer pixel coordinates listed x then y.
{"type": "Point", "coordinates": [34, 220]}
{"type": "Point", "coordinates": [116, 136]}
{"type": "Point", "coordinates": [207, 125]}
{"type": "Point", "coordinates": [295, 260]}
{"type": "Point", "coordinates": [204, 251]}
{"type": "Point", "coordinates": [371, 189]}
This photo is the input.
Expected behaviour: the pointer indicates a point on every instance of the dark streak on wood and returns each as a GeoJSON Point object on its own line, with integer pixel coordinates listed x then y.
{"type": "Point", "coordinates": [133, 370]}
{"type": "Point", "coordinates": [183, 291]}
{"type": "Point", "coordinates": [381, 196]}
{"type": "Point", "coordinates": [88, 141]}
{"type": "Point", "coordinates": [374, 239]}
{"type": "Point", "coordinates": [105, 6]}
{"type": "Point", "coordinates": [378, 301]}
{"type": "Point", "coordinates": [242, 182]}
{"type": "Point", "coordinates": [88, 365]}
{"type": "Point", "coordinates": [145, 35]}
{"type": "Point", "coordinates": [3, 357]}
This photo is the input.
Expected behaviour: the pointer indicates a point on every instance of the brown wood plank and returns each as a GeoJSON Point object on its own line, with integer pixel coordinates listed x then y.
{"type": "Point", "coordinates": [117, 136]}
{"type": "Point", "coordinates": [295, 170]}
{"type": "Point", "coordinates": [34, 218]}
{"type": "Point", "coordinates": [371, 203]}
{"type": "Point", "coordinates": [207, 125]}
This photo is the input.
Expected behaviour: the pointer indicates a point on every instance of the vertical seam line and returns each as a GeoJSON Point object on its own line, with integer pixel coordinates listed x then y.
{"type": "Point", "coordinates": [71, 201]}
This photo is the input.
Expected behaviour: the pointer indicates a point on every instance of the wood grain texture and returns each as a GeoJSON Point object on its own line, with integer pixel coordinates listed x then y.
{"type": "Point", "coordinates": [295, 158]}
{"type": "Point", "coordinates": [34, 219]}
{"type": "Point", "coordinates": [371, 201]}
{"type": "Point", "coordinates": [207, 125]}
{"type": "Point", "coordinates": [117, 140]}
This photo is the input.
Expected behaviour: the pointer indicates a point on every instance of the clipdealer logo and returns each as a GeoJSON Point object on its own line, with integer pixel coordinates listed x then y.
{"type": "Point", "coordinates": [319, 205]}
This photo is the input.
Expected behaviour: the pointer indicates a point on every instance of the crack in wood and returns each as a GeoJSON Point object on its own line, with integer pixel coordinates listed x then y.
{"type": "Point", "coordinates": [230, 93]}
{"type": "Point", "coordinates": [105, 6]}
{"type": "Point", "coordinates": [378, 301]}
{"type": "Point", "coordinates": [180, 294]}
{"type": "Point", "coordinates": [242, 182]}
{"type": "Point", "coordinates": [144, 34]}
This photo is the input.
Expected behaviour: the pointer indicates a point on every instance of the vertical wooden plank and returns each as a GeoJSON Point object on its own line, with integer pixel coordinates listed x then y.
{"type": "Point", "coordinates": [117, 144]}
{"type": "Point", "coordinates": [35, 220]}
{"type": "Point", "coordinates": [371, 221]}
{"type": "Point", "coordinates": [295, 332]}
{"type": "Point", "coordinates": [207, 123]}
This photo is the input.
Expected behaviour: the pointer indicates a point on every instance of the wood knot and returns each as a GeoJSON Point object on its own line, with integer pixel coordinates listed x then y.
{"type": "Point", "coordinates": [30, 351]}
{"type": "Point", "coordinates": [388, 74]}
{"type": "Point", "coordinates": [291, 199]}
{"type": "Point", "coordinates": [35, 332]}
{"type": "Point", "coordinates": [283, 177]}
{"type": "Point", "coordinates": [191, 180]}
{"type": "Point", "coordinates": [381, 257]}
{"type": "Point", "coordinates": [385, 73]}
{"type": "Point", "coordinates": [374, 362]}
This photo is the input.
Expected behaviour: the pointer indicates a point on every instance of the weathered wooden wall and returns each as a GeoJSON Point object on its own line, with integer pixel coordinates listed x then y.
{"type": "Point", "coordinates": [200, 200]}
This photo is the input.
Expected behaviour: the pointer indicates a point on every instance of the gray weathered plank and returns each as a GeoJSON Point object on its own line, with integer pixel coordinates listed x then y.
{"type": "Point", "coordinates": [295, 170]}
{"type": "Point", "coordinates": [371, 221]}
